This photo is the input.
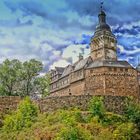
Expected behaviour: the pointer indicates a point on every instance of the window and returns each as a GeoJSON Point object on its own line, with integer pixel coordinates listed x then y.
{"type": "Point", "coordinates": [91, 71]}
{"type": "Point", "coordinates": [121, 69]}
{"type": "Point", "coordinates": [69, 91]}
{"type": "Point", "coordinates": [110, 69]}
{"type": "Point", "coordinates": [126, 70]}
{"type": "Point", "coordinates": [112, 40]}
{"type": "Point", "coordinates": [115, 69]}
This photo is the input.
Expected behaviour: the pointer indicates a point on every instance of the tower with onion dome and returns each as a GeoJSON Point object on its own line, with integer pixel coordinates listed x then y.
{"type": "Point", "coordinates": [103, 43]}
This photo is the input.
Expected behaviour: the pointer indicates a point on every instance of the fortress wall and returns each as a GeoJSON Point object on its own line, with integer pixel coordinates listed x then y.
{"type": "Point", "coordinates": [113, 81]}
{"type": "Point", "coordinates": [9, 103]}
{"type": "Point", "coordinates": [75, 88]}
{"type": "Point", "coordinates": [95, 81]}
{"type": "Point", "coordinates": [78, 88]}
{"type": "Point", "coordinates": [112, 103]}
{"type": "Point", "coordinates": [122, 82]}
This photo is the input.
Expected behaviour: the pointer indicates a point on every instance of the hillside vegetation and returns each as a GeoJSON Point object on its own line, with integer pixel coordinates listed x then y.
{"type": "Point", "coordinates": [27, 123]}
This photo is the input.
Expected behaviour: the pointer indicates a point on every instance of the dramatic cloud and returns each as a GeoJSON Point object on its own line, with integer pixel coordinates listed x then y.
{"type": "Point", "coordinates": [56, 31]}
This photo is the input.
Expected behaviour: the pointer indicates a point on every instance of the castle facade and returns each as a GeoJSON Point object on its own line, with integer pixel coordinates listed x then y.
{"type": "Point", "coordinates": [99, 74]}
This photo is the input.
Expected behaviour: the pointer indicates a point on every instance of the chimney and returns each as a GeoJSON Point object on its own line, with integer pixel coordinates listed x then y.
{"type": "Point", "coordinates": [80, 57]}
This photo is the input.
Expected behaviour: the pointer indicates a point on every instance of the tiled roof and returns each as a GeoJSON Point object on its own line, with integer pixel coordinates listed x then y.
{"type": "Point", "coordinates": [76, 66]}
{"type": "Point", "coordinates": [109, 63]}
{"type": "Point", "coordinates": [67, 71]}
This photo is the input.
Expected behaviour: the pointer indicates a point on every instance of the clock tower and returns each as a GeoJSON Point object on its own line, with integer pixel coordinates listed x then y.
{"type": "Point", "coordinates": [103, 44]}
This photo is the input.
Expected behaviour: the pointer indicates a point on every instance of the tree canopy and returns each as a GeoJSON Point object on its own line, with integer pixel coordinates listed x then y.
{"type": "Point", "coordinates": [22, 79]}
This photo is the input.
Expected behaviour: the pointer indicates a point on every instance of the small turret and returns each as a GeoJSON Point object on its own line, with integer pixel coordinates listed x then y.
{"type": "Point", "coordinates": [80, 57]}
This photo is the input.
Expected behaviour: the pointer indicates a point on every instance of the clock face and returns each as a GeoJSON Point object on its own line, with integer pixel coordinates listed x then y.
{"type": "Point", "coordinates": [111, 54]}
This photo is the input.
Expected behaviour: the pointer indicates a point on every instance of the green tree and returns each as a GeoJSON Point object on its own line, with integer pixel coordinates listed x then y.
{"type": "Point", "coordinates": [42, 85]}
{"type": "Point", "coordinates": [31, 70]}
{"type": "Point", "coordinates": [10, 76]}
{"type": "Point", "coordinates": [17, 78]}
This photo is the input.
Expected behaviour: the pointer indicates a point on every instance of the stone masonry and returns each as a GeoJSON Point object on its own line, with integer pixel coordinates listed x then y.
{"type": "Point", "coordinates": [49, 104]}
{"type": "Point", "coordinates": [9, 103]}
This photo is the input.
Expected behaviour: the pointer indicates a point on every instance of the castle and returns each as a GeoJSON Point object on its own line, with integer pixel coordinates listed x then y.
{"type": "Point", "coordinates": [99, 74]}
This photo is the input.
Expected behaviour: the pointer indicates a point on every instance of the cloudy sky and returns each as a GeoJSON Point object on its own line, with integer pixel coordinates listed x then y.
{"type": "Point", "coordinates": [56, 31]}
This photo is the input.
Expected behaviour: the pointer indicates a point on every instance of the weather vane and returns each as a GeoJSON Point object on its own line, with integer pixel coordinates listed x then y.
{"type": "Point", "coordinates": [102, 5]}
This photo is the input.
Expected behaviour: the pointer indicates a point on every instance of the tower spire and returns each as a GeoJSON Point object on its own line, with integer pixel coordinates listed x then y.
{"type": "Point", "coordinates": [103, 43]}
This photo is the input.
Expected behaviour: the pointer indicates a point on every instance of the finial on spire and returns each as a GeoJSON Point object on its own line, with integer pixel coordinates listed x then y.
{"type": "Point", "coordinates": [102, 15]}
{"type": "Point", "coordinates": [102, 5]}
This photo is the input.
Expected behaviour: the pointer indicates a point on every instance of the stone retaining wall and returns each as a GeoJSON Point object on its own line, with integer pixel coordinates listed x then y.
{"type": "Point", "coordinates": [112, 103]}
{"type": "Point", "coordinates": [9, 103]}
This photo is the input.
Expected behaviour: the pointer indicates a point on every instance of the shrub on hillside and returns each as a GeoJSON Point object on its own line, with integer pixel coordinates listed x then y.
{"type": "Point", "coordinates": [132, 111]}
{"type": "Point", "coordinates": [71, 117]}
{"type": "Point", "coordinates": [67, 117]}
{"type": "Point", "coordinates": [111, 119]}
{"type": "Point", "coordinates": [22, 118]}
{"type": "Point", "coordinates": [96, 107]}
{"type": "Point", "coordinates": [73, 133]}
{"type": "Point", "coordinates": [126, 131]}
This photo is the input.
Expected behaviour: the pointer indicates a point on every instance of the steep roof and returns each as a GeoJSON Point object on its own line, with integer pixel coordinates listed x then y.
{"type": "Point", "coordinates": [67, 70]}
{"type": "Point", "coordinates": [82, 63]}
{"type": "Point", "coordinates": [59, 69]}
{"type": "Point", "coordinates": [76, 66]}
{"type": "Point", "coordinates": [109, 63]}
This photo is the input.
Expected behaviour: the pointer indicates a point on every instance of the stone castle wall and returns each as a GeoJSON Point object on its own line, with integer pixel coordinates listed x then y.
{"type": "Point", "coordinates": [49, 104]}
{"type": "Point", "coordinates": [75, 88]}
{"type": "Point", "coordinates": [9, 103]}
{"type": "Point", "coordinates": [122, 82]}
{"type": "Point", "coordinates": [112, 103]}
{"type": "Point", "coordinates": [95, 81]}
{"type": "Point", "coordinates": [112, 81]}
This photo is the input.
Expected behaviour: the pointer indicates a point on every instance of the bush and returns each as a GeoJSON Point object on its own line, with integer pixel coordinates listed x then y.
{"type": "Point", "coordinates": [73, 133]}
{"type": "Point", "coordinates": [132, 111]}
{"type": "Point", "coordinates": [70, 117]}
{"type": "Point", "coordinates": [111, 119]}
{"type": "Point", "coordinates": [22, 118]}
{"type": "Point", "coordinates": [96, 107]}
{"type": "Point", "coordinates": [126, 131]}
